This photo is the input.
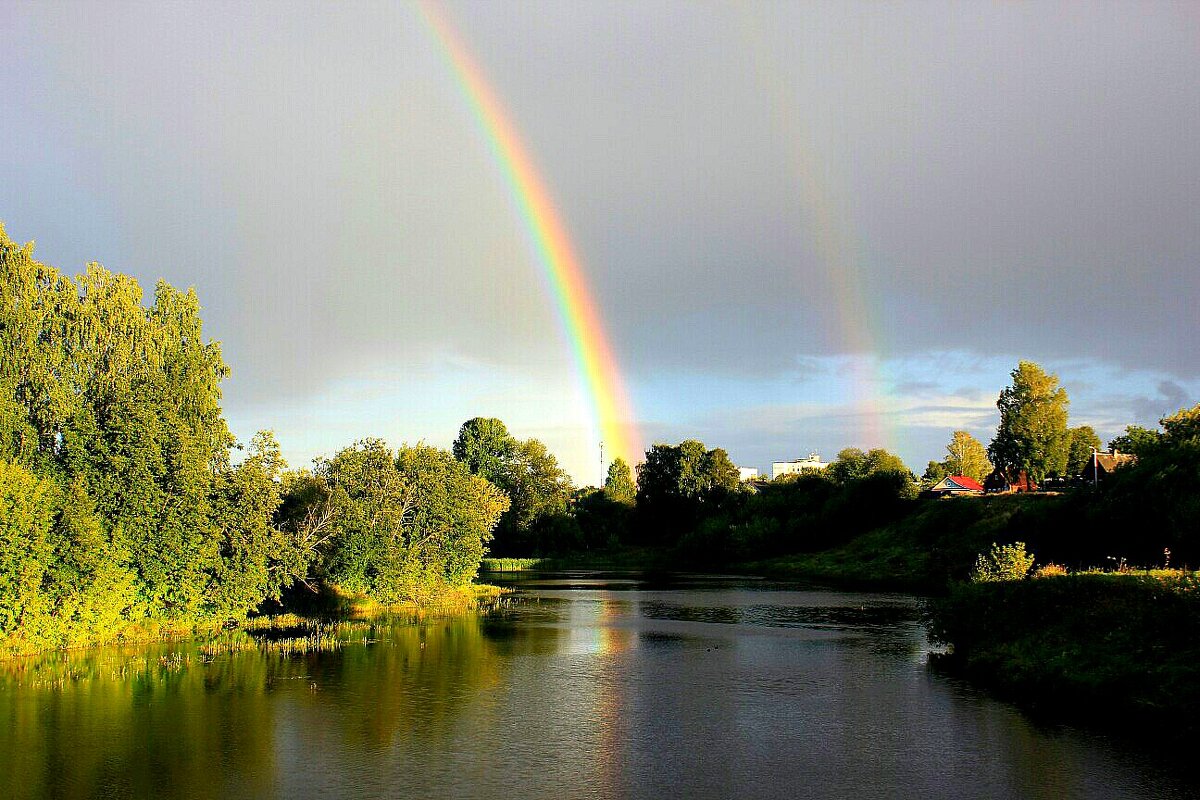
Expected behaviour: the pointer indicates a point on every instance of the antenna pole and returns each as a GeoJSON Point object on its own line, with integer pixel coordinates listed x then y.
{"type": "Point", "coordinates": [601, 463]}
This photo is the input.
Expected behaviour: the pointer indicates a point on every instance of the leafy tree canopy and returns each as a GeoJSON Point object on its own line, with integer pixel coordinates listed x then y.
{"type": "Point", "coordinates": [113, 407]}
{"type": "Point", "coordinates": [853, 464]}
{"type": "Point", "coordinates": [397, 526]}
{"type": "Point", "coordinates": [539, 490]}
{"type": "Point", "coordinates": [934, 472]}
{"type": "Point", "coordinates": [486, 447]}
{"type": "Point", "coordinates": [686, 471]}
{"type": "Point", "coordinates": [1032, 435]}
{"type": "Point", "coordinates": [1135, 440]}
{"type": "Point", "coordinates": [1083, 441]}
{"type": "Point", "coordinates": [618, 484]}
{"type": "Point", "coordinates": [966, 456]}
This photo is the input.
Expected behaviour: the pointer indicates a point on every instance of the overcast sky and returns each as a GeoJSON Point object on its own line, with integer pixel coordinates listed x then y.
{"type": "Point", "coordinates": [808, 226]}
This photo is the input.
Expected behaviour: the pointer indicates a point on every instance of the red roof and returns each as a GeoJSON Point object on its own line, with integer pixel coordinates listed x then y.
{"type": "Point", "coordinates": [966, 483]}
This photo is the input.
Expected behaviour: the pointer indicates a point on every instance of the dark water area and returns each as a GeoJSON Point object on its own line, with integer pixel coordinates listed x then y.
{"type": "Point", "coordinates": [584, 685]}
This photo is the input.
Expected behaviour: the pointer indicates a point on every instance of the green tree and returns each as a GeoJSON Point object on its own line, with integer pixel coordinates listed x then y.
{"type": "Point", "coordinates": [115, 405]}
{"type": "Point", "coordinates": [1083, 441]}
{"type": "Point", "coordinates": [400, 527]}
{"type": "Point", "coordinates": [618, 484]}
{"type": "Point", "coordinates": [258, 559]}
{"type": "Point", "coordinates": [602, 521]}
{"type": "Point", "coordinates": [27, 506]}
{"type": "Point", "coordinates": [452, 519]}
{"type": "Point", "coordinates": [539, 490]}
{"type": "Point", "coordinates": [370, 501]}
{"type": "Point", "coordinates": [967, 456]}
{"type": "Point", "coordinates": [1156, 495]}
{"type": "Point", "coordinates": [486, 447]}
{"type": "Point", "coordinates": [853, 464]}
{"type": "Point", "coordinates": [1135, 440]}
{"type": "Point", "coordinates": [1182, 429]}
{"type": "Point", "coordinates": [91, 582]}
{"type": "Point", "coordinates": [679, 485]}
{"type": "Point", "coordinates": [722, 473]}
{"type": "Point", "coordinates": [687, 471]}
{"type": "Point", "coordinates": [934, 472]}
{"type": "Point", "coordinates": [1032, 435]}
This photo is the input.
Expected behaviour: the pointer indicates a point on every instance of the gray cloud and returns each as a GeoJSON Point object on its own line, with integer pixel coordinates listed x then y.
{"type": "Point", "coordinates": [753, 187]}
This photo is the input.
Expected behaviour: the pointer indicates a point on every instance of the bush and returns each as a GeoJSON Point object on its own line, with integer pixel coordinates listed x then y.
{"type": "Point", "coordinates": [1050, 571]}
{"type": "Point", "coordinates": [1007, 562]}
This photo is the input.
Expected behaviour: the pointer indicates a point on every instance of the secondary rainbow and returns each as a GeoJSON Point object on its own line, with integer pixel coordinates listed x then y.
{"type": "Point", "coordinates": [834, 239]}
{"type": "Point", "coordinates": [560, 266]}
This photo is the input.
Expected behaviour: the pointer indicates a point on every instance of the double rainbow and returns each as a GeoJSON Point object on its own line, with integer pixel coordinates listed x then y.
{"type": "Point", "coordinates": [560, 266]}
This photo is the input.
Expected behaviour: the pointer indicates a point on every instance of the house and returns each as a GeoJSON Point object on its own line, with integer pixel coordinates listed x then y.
{"type": "Point", "coordinates": [1002, 482]}
{"type": "Point", "coordinates": [1102, 464]}
{"type": "Point", "coordinates": [954, 485]}
{"type": "Point", "coordinates": [813, 463]}
{"type": "Point", "coordinates": [747, 474]}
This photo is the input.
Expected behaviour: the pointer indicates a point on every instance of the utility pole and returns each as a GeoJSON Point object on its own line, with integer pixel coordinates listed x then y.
{"type": "Point", "coordinates": [602, 476]}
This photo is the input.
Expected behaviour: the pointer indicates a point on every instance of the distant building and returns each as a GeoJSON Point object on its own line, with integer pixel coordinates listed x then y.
{"type": "Point", "coordinates": [1001, 482]}
{"type": "Point", "coordinates": [953, 485]}
{"type": "Point", "coordinates": [747, 474]}
{"type": "Point", "coordinates": [811, 464]}
{"type": "Point", "coordinates": [1102, 464]}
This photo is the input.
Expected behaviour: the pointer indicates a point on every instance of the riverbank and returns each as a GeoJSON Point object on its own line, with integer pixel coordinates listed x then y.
{"type": "Point", "coordinates": [1116, 650]}
{"type": "Point", "coordinates": [329, 606]}
{"type": "Point", "coordinates": [924, 551]}
{"type": "Point", "coordinates": [635, 558]}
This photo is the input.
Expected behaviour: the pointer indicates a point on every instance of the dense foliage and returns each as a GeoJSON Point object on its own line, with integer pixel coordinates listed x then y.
{"type": "Point", "coordinates": [1004, 562]}
{"type": "Point", "coordinates": [618, 483]}
{"type": "Point", "coordinates": [802, 513]}
{"type": "Point", "coordinates": [393, 526]}
{"type": "Point", "coordinates": [538, 489]}
{"type": "Point", "coordinates": [1032, 435]}
{"type": "Point", "coordinates": [678, 485]}
{"type": "Point", "coordinates": [122, 510]}
{"type": "Point", "coordinates": [1120, 648]}
{"type": "Point", "coordinates": [1082, 443]}
{"type": "Point", "coordinates": [121, 507]}
{"type": "Point", "coordinates": [120, 500]}
{"type": "Point", "coordinates": [965, 455]}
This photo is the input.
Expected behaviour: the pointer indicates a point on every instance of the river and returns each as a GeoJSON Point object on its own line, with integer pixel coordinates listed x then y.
{"type": "Point", "coordinates": [582, 685]}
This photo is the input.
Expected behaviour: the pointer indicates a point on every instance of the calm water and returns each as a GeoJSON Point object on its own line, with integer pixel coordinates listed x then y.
{"type": "Point", "coordinates": [585, 687]}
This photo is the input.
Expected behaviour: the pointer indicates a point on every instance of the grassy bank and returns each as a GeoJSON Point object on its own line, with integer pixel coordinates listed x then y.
{"type": "Point", "coordinates": [925, 550]}
{"type": "Point", "coordinates": [330, 608]}
{"type": "Point", "coordinates": [623, 558]}
{"type": "Point", "coordinates": [1115, 649]}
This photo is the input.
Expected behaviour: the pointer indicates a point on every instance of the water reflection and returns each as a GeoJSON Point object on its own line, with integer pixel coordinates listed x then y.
{"type": "Point", "coordinates": [586, 687]}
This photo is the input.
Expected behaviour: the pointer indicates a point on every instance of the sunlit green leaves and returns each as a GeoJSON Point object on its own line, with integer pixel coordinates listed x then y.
{"type": "Point", "coordinates": [1032, 435]}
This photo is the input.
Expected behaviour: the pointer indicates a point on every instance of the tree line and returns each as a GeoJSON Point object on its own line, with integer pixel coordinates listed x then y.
{"type": "Point", "coordinates": [122, 505]}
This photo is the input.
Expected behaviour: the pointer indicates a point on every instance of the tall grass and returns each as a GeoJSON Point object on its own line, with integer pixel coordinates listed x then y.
{"type": "Point", "coordinates": [511, 564]}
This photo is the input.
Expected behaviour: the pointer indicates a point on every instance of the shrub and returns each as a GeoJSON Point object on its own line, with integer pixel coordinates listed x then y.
{"type": "Point", "coordinates": [1007, 562]}
{"type": "Point", "coordinates": [1050, 571]}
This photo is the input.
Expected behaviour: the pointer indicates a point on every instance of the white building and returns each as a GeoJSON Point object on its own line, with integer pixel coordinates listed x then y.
{"type": "Point", "coordinates": [747, 474]}
{"type": "Point", "coordinates": [812, 463]}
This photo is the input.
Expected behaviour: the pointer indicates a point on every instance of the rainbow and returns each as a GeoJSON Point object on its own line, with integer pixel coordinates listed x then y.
{"type": "Point", "coordinates": [832, 236]}
{"type": "Point", "coordinates": [579, 318]}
